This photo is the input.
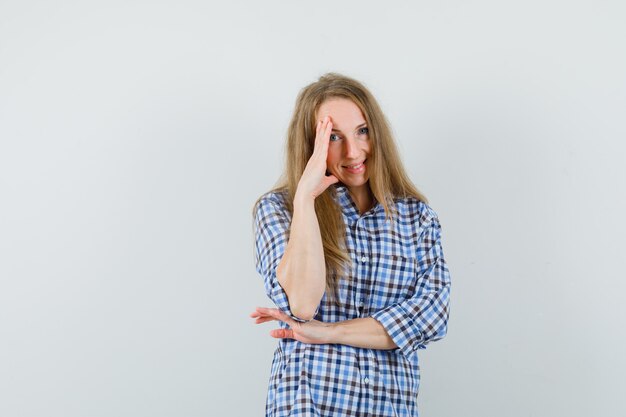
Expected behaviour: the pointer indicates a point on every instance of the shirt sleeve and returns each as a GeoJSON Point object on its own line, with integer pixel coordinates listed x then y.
{"type": "Point", "coordinates": [272, 221]}
{"type": "Point", "coordinates": [423, 318]}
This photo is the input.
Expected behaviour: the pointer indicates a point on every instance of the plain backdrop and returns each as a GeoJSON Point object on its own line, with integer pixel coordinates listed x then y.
{"type": "Point", "coordinates": [135, 137]}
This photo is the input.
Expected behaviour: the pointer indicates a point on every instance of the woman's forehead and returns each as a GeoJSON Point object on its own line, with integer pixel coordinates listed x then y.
{"type": "Point", "coordinates": [344, 113]}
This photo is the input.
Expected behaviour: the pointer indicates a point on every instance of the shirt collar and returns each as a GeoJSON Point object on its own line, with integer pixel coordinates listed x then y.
{"type": "Point", "coordinates": [348, 206]}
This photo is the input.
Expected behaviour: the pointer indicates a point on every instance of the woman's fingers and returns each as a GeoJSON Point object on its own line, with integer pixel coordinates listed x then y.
{"type": "Point", "coordinates": [263, 315]}
{"type": "Point", "coordinates": [322, 137]}
{"type": "Point", "coordinates": [278, 315]}
{"type": "Point", "coordinates": [264, 319]}
{"type": "Point", "coordinates": [268, 314]}
{"type": "Point", "coordinates": [261, 318]}
{"type": "Point", "coordinates": [310, 332]}
{"type": "Point", "coordinates": [314, 180]}
{"type": "Point", "coordinates": [282, 333]}
{"type": "Point", "coordinates": [318, 128]}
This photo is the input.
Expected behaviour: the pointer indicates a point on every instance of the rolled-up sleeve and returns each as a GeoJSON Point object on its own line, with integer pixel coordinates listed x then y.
{"type": "Point", "coordinates": [271, 221]}
{"type": "Point", "coordinates": [422, 318]}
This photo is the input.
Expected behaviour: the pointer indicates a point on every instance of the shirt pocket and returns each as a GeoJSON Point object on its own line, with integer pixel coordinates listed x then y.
{"type": "Point", "coordinates": [395, 279]}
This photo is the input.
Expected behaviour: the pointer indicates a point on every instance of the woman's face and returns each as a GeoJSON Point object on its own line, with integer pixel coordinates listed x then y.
{"type": "Point", "coordinates": [349, 145]}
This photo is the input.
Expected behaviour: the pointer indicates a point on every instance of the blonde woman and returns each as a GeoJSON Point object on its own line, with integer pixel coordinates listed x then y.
{"type": "Point", "coordinates": [350, 253]}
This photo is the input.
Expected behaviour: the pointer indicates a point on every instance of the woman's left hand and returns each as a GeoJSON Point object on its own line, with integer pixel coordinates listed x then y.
{"type": "Point", "coordinates": [313, 331]}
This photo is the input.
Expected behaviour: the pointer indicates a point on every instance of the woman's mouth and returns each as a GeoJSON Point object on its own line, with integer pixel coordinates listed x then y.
{"type": "Point", "coordinates": [356, 168]}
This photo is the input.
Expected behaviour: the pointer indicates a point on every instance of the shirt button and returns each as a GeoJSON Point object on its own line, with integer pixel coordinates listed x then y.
{"type": "Point", "coordinates": [366, 380]}
{"type": "Point", "coordinates": [361, 302]}
{"type": "Point", "coordinates": [364, 259]}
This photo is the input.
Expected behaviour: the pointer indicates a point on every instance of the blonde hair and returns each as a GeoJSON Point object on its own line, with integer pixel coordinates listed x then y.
{"type": "Point", "coordinates": [387, 177]}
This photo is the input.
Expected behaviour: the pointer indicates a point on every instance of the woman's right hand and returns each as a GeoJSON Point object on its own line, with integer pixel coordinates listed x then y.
{"type": "Point", "coordinates": [314, 180]}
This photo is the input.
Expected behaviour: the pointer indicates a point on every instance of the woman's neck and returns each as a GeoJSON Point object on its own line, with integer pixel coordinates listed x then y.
{"type": "Point", "coordinates": [362, 197]}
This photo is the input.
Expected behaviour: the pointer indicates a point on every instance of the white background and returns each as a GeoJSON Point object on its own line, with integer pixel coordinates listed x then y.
{"type": "Point", "coordinates": [135, 137]}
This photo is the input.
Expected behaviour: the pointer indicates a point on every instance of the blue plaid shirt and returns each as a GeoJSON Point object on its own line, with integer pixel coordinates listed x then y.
{"type": "Point", "coordinates": [398, 276]}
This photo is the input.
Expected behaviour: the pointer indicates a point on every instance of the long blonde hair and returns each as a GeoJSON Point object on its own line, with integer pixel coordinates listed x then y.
{"type": "Point", "coordinates": [387, 177]}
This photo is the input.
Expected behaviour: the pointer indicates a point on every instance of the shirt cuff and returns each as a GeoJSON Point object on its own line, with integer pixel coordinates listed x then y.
{"type": "Point", "coordinates": [400, 326]}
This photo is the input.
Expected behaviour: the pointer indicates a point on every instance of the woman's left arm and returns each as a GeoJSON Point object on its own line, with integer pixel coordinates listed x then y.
{"type": "Point", "coordinates": [413, 323]}
{"type": "Point", "coordinates": [363, 332]}
{"type": "Point", "coordinates": [422, 318]}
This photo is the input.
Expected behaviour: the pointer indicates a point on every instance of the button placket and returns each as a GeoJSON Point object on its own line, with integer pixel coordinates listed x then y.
{"type": "Point", "coordinates": [360, 301]}
{"type": "Point", "coordinates": [368, 377]}
{"type": "Point", "coordinates": [364, 258]}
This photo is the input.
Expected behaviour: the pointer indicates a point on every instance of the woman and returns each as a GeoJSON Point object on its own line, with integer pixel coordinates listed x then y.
{"type": "Point", "coordinates": [350, 253]}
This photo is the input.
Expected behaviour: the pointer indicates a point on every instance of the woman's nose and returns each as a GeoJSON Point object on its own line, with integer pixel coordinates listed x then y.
{"type": "Point", "coordinates": [351, 150]}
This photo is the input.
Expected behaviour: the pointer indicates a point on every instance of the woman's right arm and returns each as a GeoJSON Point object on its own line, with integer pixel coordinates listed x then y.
{"type": "Point", "coordinates": [302, 269]}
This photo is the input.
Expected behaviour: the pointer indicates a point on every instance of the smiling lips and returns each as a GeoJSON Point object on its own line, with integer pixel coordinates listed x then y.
{"type": "Point", "coordinates": [356, 168]}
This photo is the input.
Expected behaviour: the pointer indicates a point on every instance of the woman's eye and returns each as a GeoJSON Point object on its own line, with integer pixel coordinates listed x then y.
{"type": "Point", "coordinates": [333, 137]}
{"type": "Point", "coordinates": [364, 131]}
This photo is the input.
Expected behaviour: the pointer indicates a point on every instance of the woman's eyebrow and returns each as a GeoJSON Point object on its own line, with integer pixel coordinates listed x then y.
{"type": "Point", "coordinates": [358, 127]}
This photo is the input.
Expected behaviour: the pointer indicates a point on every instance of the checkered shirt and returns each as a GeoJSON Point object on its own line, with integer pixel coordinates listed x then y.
{"type": "Point", "coordinates": [398, 276]}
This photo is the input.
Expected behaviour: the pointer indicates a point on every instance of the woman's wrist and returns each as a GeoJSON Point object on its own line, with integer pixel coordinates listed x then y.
{"type": "Point", "coordinates": [303, 200]}
{"type": "Point", "coordinates": [335, 333]}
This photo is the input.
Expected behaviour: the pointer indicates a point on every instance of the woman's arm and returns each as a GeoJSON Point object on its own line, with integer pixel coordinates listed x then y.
{"type": "Point", "coordinates": [302, 269]}
{"type": "Point", "coordinates": [361, 332]}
